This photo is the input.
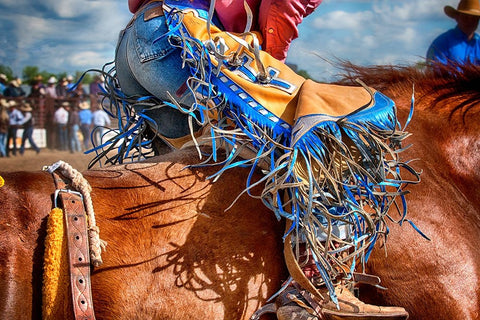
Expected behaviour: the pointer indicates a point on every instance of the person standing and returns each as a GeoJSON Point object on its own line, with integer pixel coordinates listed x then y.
{"type": "Point", "coordinates": [37, 89]}
{"type": "Point", "coordinates": [78, 92]}
{"type": "Point", "coordinates": [4, 122]}
{"type": "Point", "coordinates": [101, 120]}
{"type": "Point", "coordinates": [60, 118]}
{"type": "Point", "coordinates": [61, 88]}
{"type": "Point", "coordinates": [50, 101]}
{"type": "Point", "coordinates": [14, 89]}
{"type": "Point", "coordinates": [50, 90]}
{"type": "Point", "coordinates": [460, 45]}
{"type": "Point", "coordinates": [96, 87]}
{"type": "Point", "coordinates": [28, 123]}
{"type": "Point", "coordinates": [73, 128]}
{"type": "Point", "coordinates": [86, 117]}
{"type": "Point", "coordinates": [70, 83]}
{"type": "Point", "coordinates": [16, 118]}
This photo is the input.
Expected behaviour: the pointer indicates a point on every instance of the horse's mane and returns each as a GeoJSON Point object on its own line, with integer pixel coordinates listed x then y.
{"type": "Point", "coordinates": [452, 89]}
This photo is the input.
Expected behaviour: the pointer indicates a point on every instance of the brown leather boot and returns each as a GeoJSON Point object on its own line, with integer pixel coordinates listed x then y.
{"type": "Point", "coordinates": [293, 305]}
{"type": "Point", "coordinates": [352, 308]}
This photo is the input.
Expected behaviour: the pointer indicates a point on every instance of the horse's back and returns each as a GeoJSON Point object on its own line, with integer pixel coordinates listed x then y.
{"type": "Point", "coordinates": [173, 251]}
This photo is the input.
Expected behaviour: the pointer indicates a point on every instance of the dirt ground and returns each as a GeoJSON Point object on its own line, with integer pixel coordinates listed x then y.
{"type": "Point", "coordinates": [31, 161]}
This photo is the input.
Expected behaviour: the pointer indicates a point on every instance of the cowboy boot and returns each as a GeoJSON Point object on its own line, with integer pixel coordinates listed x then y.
{"type": "Point", "coordinates": [350, 307]}
{"type": "Point", "coordinates": [295, 306]}
{"type": "Point", "coordinates": [291, 305]}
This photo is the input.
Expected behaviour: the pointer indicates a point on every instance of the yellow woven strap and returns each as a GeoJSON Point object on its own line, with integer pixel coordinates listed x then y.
{"type": "Point", "coordinates": [55, 290]}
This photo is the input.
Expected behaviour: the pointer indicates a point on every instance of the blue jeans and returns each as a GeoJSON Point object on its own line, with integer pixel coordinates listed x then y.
{"type": "Point", "coordinates": [74, 142]}
{"type": "Point", "coordinates": [98, 133]}
{"type": "Point", "coordinates": [3, 140]}
{"type": "Point", "coordinates": [27, 135]}
{"type": "Point", "coordinates": [62, 136]}
{"type": "Point", "coordinates": [85, 129]}
{"type": "Point", "coordinates": [12, 135]}
{"type": "Point", "coordinates": [147, 64]}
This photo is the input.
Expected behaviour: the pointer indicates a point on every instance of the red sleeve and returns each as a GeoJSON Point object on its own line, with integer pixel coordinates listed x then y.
{"type": "Point", "coordinates": [232, 14]}
{"type": "Point", "coordinates": [278, 21]}
{"type": "Point", "coordinates": [133, 5]}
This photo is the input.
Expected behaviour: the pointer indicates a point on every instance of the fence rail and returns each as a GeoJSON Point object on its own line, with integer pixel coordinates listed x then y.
{"type": "Point", "coordinates": [44, 107]}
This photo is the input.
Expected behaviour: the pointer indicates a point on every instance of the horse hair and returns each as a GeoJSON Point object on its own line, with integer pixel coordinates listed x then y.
{"type": "Point", "coordinates": [459, 83]}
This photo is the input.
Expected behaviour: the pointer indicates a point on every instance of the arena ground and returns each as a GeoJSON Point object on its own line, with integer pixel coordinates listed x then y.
{"type": "Point", "coordinates": [31, 161]}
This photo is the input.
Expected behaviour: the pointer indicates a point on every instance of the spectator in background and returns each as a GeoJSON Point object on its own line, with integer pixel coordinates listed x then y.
{"type": "Point", "coordinates": [86, 117]}
{"type": "Point", "coordinates": [3, 83]}
{"type": "Point", "coordinates": [28, 123]}
{"type": "Point", "coordinates": [37, 89]}
{"type": "Point", "coordinates": [79, 92]}
{"type": "Point", "coordinates": [37, 96]}
{"type": "Point", "coordinates": [51, 95]}
{"type": "Point", "coordinates": [70, 83]}
{"type": "Point", "coordinates": [101, 120]}
{"type": "Point", "coordinates": [61, 88]}
{"type": "Point", "coordinates": [16, 118]}
{"type": "Point", "coordinates": [460, 45]}
{"type": "Point", "coordinates": [4, 123]}
{"type": "Point", "coordinates": [60, 118]}
{"type": "Point", "coordinates": [51, 91]}
{"type": "Point", "coordinates": [73, 128]}
{"type": "Point", "coordinates": [96, 87]}
{"type": "Point", "coordinates": [14, 89]}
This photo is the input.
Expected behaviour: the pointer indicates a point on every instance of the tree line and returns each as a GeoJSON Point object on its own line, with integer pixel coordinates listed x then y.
{"type": "Point", "coordinates": [30, 73]}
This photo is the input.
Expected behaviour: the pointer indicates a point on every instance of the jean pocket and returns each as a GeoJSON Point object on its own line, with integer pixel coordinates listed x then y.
{"type": "Point", "coordinates": [151, 39]}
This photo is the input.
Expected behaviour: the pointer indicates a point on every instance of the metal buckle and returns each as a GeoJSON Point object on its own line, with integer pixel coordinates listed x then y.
{"type": "Point", "coordinates": [57, 192]}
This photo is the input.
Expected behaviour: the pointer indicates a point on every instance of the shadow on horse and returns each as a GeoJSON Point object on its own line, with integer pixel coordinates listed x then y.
{"type": "Point", "coordinates": [175, 253]}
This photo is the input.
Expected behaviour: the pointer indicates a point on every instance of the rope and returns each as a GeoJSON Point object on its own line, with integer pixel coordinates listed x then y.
{"type": "Point", "coordinates": [79, 183]}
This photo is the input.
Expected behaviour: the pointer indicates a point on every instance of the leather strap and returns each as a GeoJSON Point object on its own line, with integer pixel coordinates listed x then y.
{"type": "Point", "coordinates": [294, 269]}
{"type": "Point", "coordinates": [154, 12]}
{"type": "Point", "coordinates": [77, 246]}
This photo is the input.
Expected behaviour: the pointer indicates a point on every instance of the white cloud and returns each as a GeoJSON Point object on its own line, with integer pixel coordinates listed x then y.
{"type": "Point", "coordinates": [89, 59]}
{"type": "Point", "coordinates": [407, 37]}
{"type": "Point", "coordinates": [54, 35]}
{"type": "Point", "coordinates": [397, 12]}
{"type": "Point", "coordinates": [342, 20]}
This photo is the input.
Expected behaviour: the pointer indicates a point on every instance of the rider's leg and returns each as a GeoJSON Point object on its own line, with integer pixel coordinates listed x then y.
{"type": "Point", "coordinates": [291, 303]}
{"type": "Point", "coordinates": [148, 65]}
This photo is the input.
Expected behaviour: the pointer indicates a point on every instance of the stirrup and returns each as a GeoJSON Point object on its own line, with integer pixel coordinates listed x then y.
{"type": "Point", "coordinates": [349, 307]}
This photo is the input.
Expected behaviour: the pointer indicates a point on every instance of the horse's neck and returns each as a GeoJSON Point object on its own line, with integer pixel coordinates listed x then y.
{"type": "Point", "coordinates": [451, 143]}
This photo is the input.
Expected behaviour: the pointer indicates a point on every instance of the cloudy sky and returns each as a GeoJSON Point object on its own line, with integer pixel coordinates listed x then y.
{"type": "Point", "coordinates": [75, 35]}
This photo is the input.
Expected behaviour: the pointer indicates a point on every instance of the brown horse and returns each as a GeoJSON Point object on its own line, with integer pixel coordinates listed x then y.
{"type": "Point", "coordinates": [437, 279]}
{"type": "Point", "coordinates": [175, 253]}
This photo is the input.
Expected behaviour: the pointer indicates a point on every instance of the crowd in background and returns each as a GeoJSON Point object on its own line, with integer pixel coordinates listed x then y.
{"type": "Point", "coordinates": [71, 116]}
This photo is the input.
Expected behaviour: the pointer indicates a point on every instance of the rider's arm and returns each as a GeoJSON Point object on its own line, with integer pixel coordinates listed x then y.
{"type": "Point", "coordinates": [278, 21]}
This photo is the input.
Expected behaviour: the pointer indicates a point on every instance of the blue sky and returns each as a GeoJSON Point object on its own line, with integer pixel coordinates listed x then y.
{"type": "Point", "coordinates": [75, 35]}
